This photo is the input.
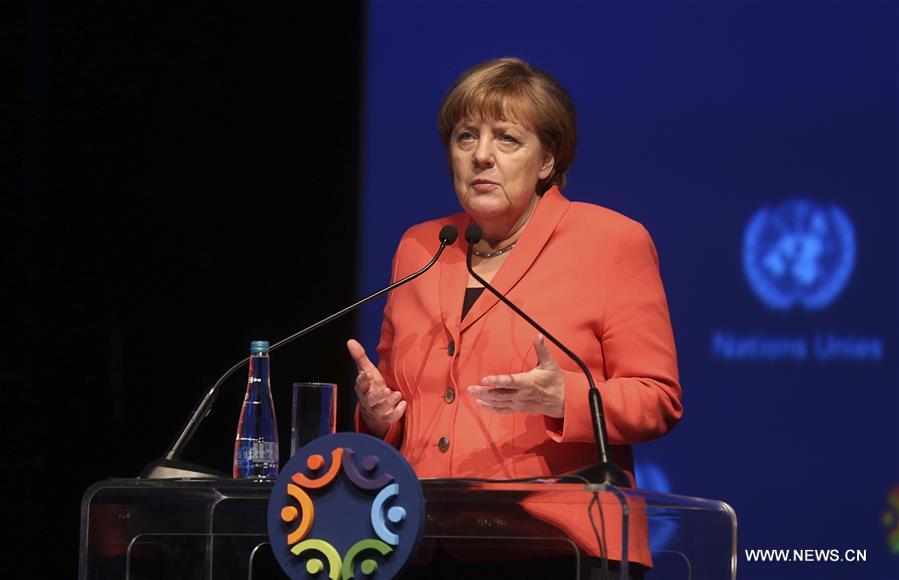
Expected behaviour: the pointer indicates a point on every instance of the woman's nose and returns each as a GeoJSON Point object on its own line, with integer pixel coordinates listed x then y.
{"type": "Point", "coordinates": [483, 153]}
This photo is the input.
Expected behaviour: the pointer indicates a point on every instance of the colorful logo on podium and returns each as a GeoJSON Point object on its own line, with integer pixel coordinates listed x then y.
{"type": "Point", "coordinates": [798, 253]}
{"type": "Point", "coordinates": [345, 506]}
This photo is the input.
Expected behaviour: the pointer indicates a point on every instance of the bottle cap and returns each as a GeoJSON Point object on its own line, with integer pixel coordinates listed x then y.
{"type": "Point", "coordinates": [258, 346]}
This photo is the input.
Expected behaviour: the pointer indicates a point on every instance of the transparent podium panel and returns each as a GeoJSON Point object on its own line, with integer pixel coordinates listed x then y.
{"type": "Point", "coordinates": [176, 529]}
{"type": "Point", "coordinates": [639, 532]}
{"type": "Point", "coordinates": [689, 537]}
{"type": "Point", "coordinates": [216, 528]}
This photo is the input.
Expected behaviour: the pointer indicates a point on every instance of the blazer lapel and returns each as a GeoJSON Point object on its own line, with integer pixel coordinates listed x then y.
{"type": "Point", "coordinates": [547, 214]}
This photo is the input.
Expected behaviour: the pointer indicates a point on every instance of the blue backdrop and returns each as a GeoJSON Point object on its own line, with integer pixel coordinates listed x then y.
{"type": "Point", "coordinates": [757, 141]}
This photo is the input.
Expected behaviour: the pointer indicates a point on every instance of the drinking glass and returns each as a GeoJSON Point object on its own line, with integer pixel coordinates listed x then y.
{"type": "Point", "coordinates": [314, 413]}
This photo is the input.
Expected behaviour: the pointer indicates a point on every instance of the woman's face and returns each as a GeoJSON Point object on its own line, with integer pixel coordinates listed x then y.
{"type": "Point", "coordinates": [496, 166]}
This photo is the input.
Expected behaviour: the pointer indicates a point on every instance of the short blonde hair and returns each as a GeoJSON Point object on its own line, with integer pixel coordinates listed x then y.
{"type": "Point", "coordinates": [510, 87]}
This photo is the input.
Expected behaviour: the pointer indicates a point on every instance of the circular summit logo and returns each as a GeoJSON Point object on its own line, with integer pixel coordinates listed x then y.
{"type": "Point", "coordinates": [345, 506]}
{"type": "Point", "coordinates": [799, 252]}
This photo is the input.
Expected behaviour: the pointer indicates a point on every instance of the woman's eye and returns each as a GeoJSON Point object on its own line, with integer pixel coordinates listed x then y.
{"type": "Point", "coordinates": [466, 136]}
{"type": "Point", "coordinates": [505, 138]}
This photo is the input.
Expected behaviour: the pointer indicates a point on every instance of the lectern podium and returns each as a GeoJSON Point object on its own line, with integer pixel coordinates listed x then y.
{"type": "Point", "coordinates": [137, 529]}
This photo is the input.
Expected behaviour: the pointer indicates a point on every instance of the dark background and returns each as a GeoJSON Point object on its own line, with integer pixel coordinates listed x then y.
{"type": "Point", "coordinates": [189, 184]}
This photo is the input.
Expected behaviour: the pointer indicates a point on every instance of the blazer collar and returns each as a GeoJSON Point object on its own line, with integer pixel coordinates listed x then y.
{"type": "Point", "coordinates": [454, 273]}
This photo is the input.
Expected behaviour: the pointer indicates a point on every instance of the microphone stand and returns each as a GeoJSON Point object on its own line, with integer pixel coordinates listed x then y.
{"type": "Point", "coordinates": [170, 466]}
{"type": "Point", "coordinates": [604, 471]}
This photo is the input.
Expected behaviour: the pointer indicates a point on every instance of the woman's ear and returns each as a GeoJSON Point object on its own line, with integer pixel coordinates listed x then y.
{"type": "Point", "coordinates": [546, 165]}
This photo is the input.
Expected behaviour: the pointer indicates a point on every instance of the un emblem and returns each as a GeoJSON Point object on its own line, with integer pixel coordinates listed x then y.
{"type": "Point", "coordinates": [345, 506]}
{"type": "Point", "coordinates": [799, 252]}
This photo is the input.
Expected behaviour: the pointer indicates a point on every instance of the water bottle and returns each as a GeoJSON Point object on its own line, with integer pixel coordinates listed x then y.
{"type": "Point", "coordinates": [256, 445]}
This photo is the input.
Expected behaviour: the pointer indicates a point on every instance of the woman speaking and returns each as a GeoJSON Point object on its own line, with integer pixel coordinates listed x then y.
{"type": "Point", "coordinates": [466, 388]}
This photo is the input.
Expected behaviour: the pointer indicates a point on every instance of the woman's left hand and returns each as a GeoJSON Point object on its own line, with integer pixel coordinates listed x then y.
{"type": "Point", "coordinates": [540, 391]}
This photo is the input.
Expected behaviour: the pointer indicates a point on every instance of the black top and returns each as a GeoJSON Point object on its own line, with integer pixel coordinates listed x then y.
{"type": "Point", "coordinates": [471, 296]}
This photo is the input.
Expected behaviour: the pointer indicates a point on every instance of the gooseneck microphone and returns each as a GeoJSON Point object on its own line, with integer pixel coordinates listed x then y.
{"type": "Point", "coordinates": [604, 471]}
{"type": "Point", "coordinates": [170, 465]}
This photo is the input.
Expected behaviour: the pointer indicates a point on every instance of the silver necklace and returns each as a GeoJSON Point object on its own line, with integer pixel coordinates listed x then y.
{"type": "Point", "coordinates": [495, 253]}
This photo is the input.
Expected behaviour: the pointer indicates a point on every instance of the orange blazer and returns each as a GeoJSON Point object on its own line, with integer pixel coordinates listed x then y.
{"type": "Point", "coordinates": [588, 275]}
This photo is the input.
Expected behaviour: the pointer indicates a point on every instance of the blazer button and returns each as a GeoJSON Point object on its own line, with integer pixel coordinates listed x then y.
{"type": "Point", "coordinates": [451, 349]}
{"type": "Point", "coordinates": [449, 396]}
{"type": "Point", "coordinates": [443, 444]}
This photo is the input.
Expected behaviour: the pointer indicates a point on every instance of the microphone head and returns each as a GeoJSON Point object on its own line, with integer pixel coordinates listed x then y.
{"type": "Point", "coordinates": [473, 233]}
{"type": "Point", "coordinates": [448, 235]}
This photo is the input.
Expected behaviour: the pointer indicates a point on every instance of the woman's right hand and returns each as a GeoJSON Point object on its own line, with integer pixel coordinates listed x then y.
{"type": "Point", "coordinates": [379, 405]}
